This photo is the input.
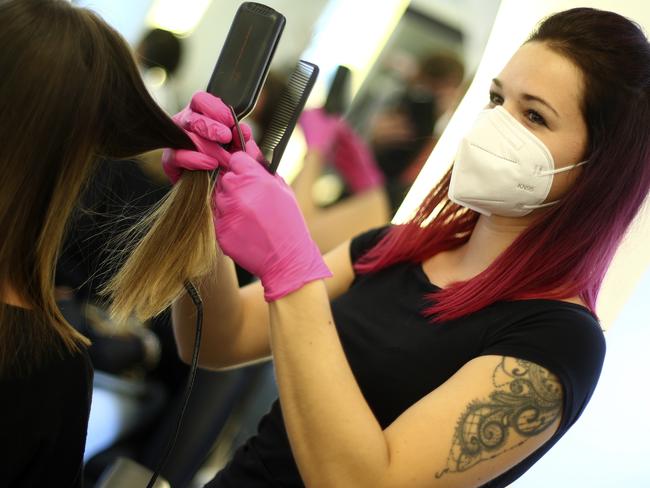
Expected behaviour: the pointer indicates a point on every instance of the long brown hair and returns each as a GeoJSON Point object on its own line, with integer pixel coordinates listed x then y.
{"type": "Point", "coordinates": [70, 92]}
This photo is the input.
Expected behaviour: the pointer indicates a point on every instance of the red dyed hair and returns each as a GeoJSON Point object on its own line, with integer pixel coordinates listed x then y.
{"type": "Point", "coordinates": [567, 251]}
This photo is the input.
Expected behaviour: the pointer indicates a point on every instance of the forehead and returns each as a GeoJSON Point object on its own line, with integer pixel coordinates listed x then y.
{"type": "Point", "coordinates": [536, 69]}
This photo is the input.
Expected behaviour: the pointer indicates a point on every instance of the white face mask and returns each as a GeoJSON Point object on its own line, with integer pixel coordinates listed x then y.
{"type": "Point", "coordinates": [502, 168]}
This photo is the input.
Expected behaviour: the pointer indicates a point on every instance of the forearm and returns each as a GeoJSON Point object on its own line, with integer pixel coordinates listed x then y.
{"type": "Point", "coordinates": [335, 224]}
{"type": "Point", "coordinates": [335, 438]}
{"type": "Point", "coordinates": [303, 184]}
{"type": "Point", "coordinates": [222, 315]}
{"type": "Point", "coordinates": [344, 220]}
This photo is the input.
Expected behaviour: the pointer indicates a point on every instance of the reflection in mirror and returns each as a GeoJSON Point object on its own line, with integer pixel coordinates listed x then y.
{"type": "Point", "coordinates": [401, 104]}
{"type": "Point", "coordinates": [407, 97]}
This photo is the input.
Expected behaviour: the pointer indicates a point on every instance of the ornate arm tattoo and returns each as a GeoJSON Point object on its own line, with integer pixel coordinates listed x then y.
{"type": "Point", "coordinates": [526, 401]}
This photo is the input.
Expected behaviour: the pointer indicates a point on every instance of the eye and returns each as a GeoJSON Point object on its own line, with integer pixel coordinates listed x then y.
{"type": "Point", "coordinates": [495, 99]}
{"type": "Point", "coordinates": [535, 118]}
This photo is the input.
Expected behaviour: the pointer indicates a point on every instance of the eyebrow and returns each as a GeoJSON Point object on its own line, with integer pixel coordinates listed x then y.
{"type": "Point", "coordinates": [527, 96]}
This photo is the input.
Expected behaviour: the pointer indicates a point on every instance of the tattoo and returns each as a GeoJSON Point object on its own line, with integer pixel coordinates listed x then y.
{"type": "Point", "coordinates": [526, 401]}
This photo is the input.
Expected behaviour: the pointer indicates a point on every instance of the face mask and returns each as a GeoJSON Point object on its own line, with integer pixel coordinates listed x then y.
{"type": "Point", "coordinates": [502, 168]}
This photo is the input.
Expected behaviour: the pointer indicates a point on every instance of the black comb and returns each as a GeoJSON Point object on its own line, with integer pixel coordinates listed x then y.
{"type": "Point", "coordinates": [287, 112]}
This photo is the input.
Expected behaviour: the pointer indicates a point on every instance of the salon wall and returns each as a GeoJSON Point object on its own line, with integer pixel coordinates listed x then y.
{"type": "Point", "coordinates": [127, 16]}
{"type": "Point", "coordinates": [607, 446]}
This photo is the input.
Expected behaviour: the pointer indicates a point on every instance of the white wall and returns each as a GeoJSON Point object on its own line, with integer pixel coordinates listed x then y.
{"type": "Point", "coordinates": [607, 446]}
{"type": "Point", "coordinates": [127, 16]}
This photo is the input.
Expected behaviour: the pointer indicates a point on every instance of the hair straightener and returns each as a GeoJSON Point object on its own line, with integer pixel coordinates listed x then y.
{"type": "Point", "coordinates": [246, 56]}
{"type": "Point", "coordinates": [338, 97]}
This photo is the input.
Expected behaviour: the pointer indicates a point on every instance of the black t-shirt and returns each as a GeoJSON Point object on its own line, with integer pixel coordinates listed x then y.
{"type": "Point", "coordinates": [43, 422]}
{"type": "Point", "coordinates": [398, 356]}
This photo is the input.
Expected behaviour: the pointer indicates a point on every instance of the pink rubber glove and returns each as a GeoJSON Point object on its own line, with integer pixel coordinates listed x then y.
{"type": "Point", "coordinates": [210, 125]}
{"type": "Point", "coordinates": [320, 129]}
{"type": "Point", "coordinates": [259, 225]}
{"type": "Point", "coordinates": [354, 161]}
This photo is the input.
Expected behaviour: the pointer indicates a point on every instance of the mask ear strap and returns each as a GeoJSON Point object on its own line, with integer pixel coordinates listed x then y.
{"type": "Point", "coordinates": [541, 205]}
{"type": "Point", "coordinates": [562, 170]}
{"type": "Point", "coordinates": [553, 172]}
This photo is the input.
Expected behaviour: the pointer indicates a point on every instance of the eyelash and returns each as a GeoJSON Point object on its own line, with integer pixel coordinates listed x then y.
{"type": "Point", "coordinates": [536, 118]}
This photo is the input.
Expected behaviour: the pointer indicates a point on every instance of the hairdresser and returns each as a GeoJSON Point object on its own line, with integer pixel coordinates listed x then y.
{"type": "Point", "coordinates": [403, 135]}
{"type": "Point", "coordinates": [457, 349]}
{"type": "Point", "coordinates": [70, 92]}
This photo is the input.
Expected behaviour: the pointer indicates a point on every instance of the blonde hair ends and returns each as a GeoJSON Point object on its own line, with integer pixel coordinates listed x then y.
{"type": "Point", "coordinates": [179, 244]}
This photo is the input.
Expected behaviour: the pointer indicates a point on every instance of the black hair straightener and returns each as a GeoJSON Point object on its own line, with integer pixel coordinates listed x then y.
{"type": "Point", "coordinates": [338, 97]}
{"type": "Point", "coordinates": [246, 56]}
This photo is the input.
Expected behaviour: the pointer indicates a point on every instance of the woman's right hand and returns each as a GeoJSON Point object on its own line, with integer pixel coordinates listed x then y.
{"type": "Point", "coordinates": [320, 129]}
{"type": "Point", "coordinates": [210, 124]}
{"type": "Point", "coordinates": [259, 225]}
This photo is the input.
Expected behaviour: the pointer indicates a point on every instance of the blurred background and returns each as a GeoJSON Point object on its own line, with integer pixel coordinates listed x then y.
{"type": "Point", "coordinates": [410, 70]}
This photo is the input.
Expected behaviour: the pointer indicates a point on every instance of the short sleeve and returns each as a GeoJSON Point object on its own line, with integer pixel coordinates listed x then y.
{"type": "Point", "coordinates": [362, 243]}
{"type": "Point", "coordinates": [566, 340]}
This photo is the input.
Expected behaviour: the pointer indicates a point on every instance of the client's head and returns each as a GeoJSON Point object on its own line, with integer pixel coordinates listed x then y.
{"type": "Point", "coordinates": [69, 93]}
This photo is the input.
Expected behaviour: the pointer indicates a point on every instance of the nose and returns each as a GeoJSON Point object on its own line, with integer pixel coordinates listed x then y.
{"type": "Point", "coordinates": [510, 108]}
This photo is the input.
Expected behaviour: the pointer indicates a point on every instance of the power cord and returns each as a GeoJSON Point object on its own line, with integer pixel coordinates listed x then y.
{"type": "Point", "coordinates": [198, 303]}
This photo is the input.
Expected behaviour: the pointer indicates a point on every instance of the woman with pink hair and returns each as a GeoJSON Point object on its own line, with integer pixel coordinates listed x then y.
{"type": "Point", "coordinates": [454, 350]}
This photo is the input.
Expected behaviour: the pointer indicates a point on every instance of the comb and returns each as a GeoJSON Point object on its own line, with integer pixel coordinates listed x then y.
{"type": "Point", "coordinates": [291, 103]}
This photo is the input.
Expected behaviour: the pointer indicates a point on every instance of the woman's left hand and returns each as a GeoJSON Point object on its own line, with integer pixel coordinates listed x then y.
{"type": "Point", "coordinates": [259, 225]}
{"type": "Point", "coordinates": [208, 121]}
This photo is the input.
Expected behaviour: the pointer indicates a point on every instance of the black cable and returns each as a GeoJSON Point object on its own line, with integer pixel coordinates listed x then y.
{"type": "Point", "coordinates": [198, 303]}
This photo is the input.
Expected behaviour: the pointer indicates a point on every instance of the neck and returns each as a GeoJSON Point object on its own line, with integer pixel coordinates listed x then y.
{"type": "Point", "coordinates": [491, 236]}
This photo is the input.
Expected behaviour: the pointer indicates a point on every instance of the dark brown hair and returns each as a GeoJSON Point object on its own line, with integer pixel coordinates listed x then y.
{"type": "Point", "coordinates": [160, 48]}
{"type": "Point", "coordinates": [70, 92]}
{"type": "Point", "coordinates": [443, 66]}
